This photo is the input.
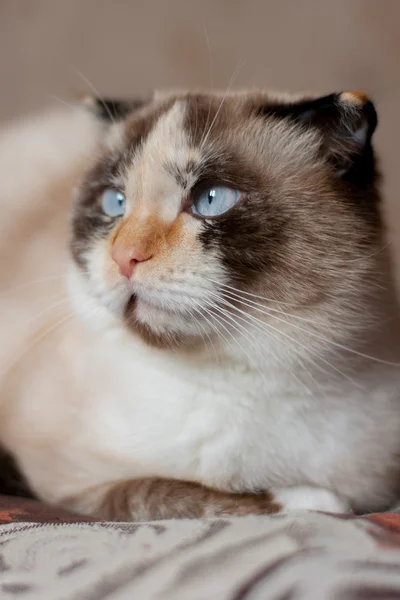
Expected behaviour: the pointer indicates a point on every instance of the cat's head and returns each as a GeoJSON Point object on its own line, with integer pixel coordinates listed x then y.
{"type": "Point", "coordinates": [211, 213]}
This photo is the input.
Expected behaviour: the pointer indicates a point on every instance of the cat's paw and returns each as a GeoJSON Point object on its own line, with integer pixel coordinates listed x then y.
{"type": "Point", "coordinates": [310, 498]}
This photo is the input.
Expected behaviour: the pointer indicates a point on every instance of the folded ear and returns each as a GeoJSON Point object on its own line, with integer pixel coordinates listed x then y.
{"type": "Point", "coordinates": [111, 110]}
{"type": "Point", "coordinates": [346, 121]}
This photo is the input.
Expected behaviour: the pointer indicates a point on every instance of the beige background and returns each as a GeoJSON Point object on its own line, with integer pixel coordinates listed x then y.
{"type": "Point", "coordinates": [125, 47]}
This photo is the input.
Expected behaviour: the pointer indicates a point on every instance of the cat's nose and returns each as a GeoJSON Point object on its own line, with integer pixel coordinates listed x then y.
{"type": "Point", "coordinates": [127, 259]}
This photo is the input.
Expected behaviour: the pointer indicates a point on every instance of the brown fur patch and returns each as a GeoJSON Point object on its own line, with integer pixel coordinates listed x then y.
{"type": "Point", "coordinates": [155, 498]}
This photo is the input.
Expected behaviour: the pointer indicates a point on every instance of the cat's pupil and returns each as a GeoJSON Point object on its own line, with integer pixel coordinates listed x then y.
{"type": "Point", "coordinates": [211, 196]}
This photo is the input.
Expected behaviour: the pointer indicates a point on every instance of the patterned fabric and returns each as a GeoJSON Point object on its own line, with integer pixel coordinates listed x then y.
{"type": "Point", "coordinates": [15, 510]}
{"type": "Point", "coordinates": [304, 556]}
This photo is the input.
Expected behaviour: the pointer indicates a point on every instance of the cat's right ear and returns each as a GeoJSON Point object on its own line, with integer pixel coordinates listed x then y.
{"type": "Point", "coordinates": [109, 110]}
{"type": "Point", "coordinates": [346, 122]}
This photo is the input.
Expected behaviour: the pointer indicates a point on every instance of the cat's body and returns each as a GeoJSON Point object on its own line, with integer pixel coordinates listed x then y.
{"type": "Point", "coordinates": [272, 403]}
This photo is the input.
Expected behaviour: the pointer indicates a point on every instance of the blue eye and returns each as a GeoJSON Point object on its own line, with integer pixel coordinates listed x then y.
{"type": "Point", "coordinates": [113, 202]}
{"type": "Point", "coordinates": [215, 201]}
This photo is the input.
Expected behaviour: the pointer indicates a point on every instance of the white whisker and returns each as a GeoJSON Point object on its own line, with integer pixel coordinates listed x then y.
{"type": "Point", "coordinates": [230, 84]}
{"type": "Point", "coordinates": [54, 97]}
{"type": "Point", "coordinates": [20, 356]}
{"type": "Point", "coordinates": [48, 309]}
{"type": "Point", "coordinates": [199, 325]}
{"type": "Point", "coordinates": [29, 283]}
{"type": "Point", "coordinates": [286, 335]}
{"type": "Point", "coordinates": [321, 338]}
{"type": "Point", "coordinates": [242, 331]}
{"type": "Point", "coordinates": [252, 302]}
{"type": "Point", "coordinates": [211, 86]}
{"type": "Point", "coordinates": [369, 255]}
{"type": "Point", "coordinates": [219, 283]}
{"type": "Point", "coordinates": [212, 325]}
{"type": "Point", "coordinates": [96, 93]}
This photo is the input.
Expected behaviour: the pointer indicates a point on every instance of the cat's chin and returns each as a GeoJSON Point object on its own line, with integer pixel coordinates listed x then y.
{"type": "Point", "coordinates": [159, 326]}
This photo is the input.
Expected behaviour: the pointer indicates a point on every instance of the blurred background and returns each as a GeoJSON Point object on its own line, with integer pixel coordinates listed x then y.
{"type": "Point", "coordinates": [51, 49]}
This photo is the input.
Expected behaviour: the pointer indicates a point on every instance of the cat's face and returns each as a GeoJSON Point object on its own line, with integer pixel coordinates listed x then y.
{"type": "Point", "coordinates": [199, 201]}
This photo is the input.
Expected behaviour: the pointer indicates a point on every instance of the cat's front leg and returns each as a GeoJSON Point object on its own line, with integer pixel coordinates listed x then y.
{"type": "Point", "coordinates": [154, 498]}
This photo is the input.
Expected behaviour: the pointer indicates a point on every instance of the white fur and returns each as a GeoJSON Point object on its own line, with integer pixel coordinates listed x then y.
{"type": "Point", "coordinates": [308, 498]}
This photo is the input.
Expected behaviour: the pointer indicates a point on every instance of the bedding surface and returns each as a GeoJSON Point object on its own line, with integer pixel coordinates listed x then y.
{"type": "Point", "coordinates": [47, 555]}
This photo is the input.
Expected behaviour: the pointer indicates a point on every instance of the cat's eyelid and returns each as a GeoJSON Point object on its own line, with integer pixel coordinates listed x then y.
{"type": "Point", "coordinates": [99, 186]}
{"type": "Point", "coordinates": [204, 183]}
{"type": "Point", "coordinates": [102, 184]}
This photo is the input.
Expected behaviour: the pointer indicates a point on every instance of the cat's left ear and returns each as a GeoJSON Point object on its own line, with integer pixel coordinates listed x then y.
{"type": "Point", "coordinates": [111, 110]}
{"type": "Point", "coordinates": [346, 121]}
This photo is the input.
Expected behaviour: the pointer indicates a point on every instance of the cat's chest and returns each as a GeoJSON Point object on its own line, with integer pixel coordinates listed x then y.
{"type": "Point", "coordinates": [113, 415]}
{"type": "Point", "coordinates": [152, 402]}
{"type": "Point", "coordinates": [210, 422]}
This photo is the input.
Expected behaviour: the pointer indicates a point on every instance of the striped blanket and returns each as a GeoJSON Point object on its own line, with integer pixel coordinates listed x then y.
{"type": "Point", "coordinates": [304, 556]}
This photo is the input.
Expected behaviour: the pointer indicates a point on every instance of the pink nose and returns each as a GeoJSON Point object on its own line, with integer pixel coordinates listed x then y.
{"type": "Point", "coordinates": [127, 259]}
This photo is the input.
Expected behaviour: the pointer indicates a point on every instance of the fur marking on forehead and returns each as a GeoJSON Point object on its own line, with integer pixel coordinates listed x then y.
{"type": "Point", "coordinates": [150, 185]}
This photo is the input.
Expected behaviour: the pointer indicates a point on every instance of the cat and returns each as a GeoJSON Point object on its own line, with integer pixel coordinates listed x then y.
{"type": "Point", "coordinates": [198, 311]}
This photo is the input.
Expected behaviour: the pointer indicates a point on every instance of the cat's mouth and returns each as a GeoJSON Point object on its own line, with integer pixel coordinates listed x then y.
{"type": "Point", "coordinates": [130, 305]}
